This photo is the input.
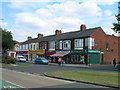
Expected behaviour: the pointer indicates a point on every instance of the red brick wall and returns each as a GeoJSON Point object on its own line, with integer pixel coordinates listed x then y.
{"type": "Point", "coordinates": [112, 51]}
{"type": "Point", "coordinates": [100, 44]}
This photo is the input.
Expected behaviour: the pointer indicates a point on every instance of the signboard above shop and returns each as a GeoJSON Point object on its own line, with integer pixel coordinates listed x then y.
{"type": "Point", "coordinates": [62, 51]}
{"type": "Point", "coordinates": [93, 51]}
{"type": "Point", "coordinates": [38, 52]}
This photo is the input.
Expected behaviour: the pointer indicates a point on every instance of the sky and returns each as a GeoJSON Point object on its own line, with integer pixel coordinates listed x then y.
{"type": "Point", "coordinates": [29, 17]}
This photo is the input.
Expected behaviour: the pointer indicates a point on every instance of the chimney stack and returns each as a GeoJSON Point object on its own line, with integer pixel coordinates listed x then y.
{"type": "Point", "coordinates": [57, 32]}
{"type": "Point", "coordinates": [29, 37]}
{"type": "Point", "coordinates": [40, 35]}
{"type": "Point", "coordinates": [82, 27]}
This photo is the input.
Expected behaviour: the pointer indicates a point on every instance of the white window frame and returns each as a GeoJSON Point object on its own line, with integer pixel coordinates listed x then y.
{"type": "Point", "coordinates": [78, 43]}
{"type": "Point", "coordinates": [60, 44]}
{"type": "Point", "coordinates": [67, 44]}
{"type": "Point", "coordinates": [91, 43]}
{"type": "Point", "coordinates": [52, 45]}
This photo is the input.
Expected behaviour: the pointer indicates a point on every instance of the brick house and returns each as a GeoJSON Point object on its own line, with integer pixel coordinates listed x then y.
{"type": "Point", "coordinates": [85, 44]}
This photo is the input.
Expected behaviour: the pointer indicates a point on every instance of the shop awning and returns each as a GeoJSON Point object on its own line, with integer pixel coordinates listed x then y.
{"type": "Point", "coordinates": [58, 54]}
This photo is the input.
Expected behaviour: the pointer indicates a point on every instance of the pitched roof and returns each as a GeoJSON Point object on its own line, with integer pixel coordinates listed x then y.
{"type": "Point", "coordinates": [68, 35]}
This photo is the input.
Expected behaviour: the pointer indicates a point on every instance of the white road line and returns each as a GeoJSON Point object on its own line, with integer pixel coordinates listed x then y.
{"type": "Point", "coordinates": [14, 84]}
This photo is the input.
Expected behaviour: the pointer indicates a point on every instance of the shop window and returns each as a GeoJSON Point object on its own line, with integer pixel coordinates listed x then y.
{"type": "Point", "coordinates": [78, 43]}
{"type": "Point", "coordinates": [67, 44]}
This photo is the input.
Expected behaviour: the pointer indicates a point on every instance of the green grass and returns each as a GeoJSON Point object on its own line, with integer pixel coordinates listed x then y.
{"type": "Point", "coordinates": [105, 78]}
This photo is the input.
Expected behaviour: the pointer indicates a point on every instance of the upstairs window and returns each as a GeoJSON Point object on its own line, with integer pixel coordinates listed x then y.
{"type": "Point", "coordinates": [78, 43]}
{"type": "Point", "coordinates": [43, 46]}
{"type": "Point", "coordinates": [67, 44]}
{"type": "Point", "coordinates": [107, 46]}
{"type": "Point", "coordinates": [52, 45]}
{"type": "Point", "coordinates": [34, 47]}
{"type": "Point", "coordinates": [60, 44]}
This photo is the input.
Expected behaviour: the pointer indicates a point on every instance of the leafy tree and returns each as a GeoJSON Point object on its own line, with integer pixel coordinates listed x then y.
{"type": "Point", "coordinates": [7, 40]}
{"type": "Point", "coordinates": [116, 27]}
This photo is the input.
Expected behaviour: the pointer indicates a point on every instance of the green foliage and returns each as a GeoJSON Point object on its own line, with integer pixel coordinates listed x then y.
{"type": "Point", "coordinates": [7, 39]}
{"type": "Point", "coordinates": [116, 27]}
{"type": "Point", "coordinates": [8, 60]}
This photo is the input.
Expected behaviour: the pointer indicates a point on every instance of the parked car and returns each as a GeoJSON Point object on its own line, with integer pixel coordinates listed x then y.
{"type": "Point", "coordinates": [21, 59]}
{"type": "Point", "coordinates": [41, 60]}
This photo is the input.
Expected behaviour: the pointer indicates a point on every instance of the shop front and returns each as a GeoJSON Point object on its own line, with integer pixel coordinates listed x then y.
{"type": "Point", "coordinates": [78, 57]}
{"type": "Point", "coordinates": [94, 57]}
{"type": "Point", "coordinates": [22, 53]}
{"type": "Point", "coordinates": [47, 55]}
{"type": "Point", "coordinates": [33, 54]}
{"type": "Point", "coordinates": [60, 54]}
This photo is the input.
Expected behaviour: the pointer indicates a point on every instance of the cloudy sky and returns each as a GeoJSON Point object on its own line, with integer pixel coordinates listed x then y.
{"type": "Point", "coordinates": [28, 18]}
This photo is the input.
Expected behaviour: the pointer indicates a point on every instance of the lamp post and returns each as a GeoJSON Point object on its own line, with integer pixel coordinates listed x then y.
{"type": "Point", "coordinates": [1, 20]}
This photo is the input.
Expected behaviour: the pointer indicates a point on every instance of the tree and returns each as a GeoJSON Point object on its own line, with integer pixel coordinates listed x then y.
{"type": "Point", "coordinates": [7, 40]}
{"type": "Point", "coordinates": [116, 27]}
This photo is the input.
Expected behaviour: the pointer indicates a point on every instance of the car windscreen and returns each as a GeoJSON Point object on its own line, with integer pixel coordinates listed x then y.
{"type": "Point", "coordinates": [21, 58]}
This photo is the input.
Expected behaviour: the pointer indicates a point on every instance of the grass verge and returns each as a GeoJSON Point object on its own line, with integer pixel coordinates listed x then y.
{"type": "Point", "coordinates": [104, 78]}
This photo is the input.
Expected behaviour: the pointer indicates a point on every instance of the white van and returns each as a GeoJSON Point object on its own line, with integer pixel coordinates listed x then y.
{"type": "Point", "coordinates": [21, 58]}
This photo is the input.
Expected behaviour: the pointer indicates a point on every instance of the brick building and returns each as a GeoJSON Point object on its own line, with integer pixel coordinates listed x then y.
{"type": "Point", "coordinates": [92, 45]}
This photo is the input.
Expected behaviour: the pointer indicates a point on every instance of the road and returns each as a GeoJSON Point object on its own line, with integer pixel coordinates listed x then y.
{"type": "Point", "coordinates": [41, 69]}
{"type": "Point", "coordinates": [27, 80]}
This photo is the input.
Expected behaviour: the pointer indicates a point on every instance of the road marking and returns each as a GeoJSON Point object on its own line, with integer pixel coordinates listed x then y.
{"type": "Point", "coordinates": [7, 84]}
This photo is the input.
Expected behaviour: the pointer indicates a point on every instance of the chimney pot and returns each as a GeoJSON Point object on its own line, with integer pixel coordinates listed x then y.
{"type": "Point", "coordinates": [40, 35]}
{"type": "Point", "coordinates": [83, 27]}
{"type": "Point", "coordinates": [57, 32]}
{"type": "Point", "coordinates": [29, 37]}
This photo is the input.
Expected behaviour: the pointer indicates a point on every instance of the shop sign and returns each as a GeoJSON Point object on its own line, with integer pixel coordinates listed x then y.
{"type": "Point", "coordinates": [22, 52]}
{"type": "Point", "coordinates": [62, 51]}
{"type": "Point", "coordinates": [93, 51]}
{"type": "Point", "coordinates": [39, 52]}
{"type": "Point", "coordinates": [76, 51]}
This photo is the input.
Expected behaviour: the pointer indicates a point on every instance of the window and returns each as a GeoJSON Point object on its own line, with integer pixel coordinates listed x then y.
{"type": "Point", "coordinates": [31, 46]}
{"type": "Point", "coordinates": [43, 46]}
{"type": "Point", "coordinates": [78, 43]}
{"type": "Point", "coordinates": [52, 45]}
{"type": "Point", "coordinates": [60, 44]}
{"type": "Point", "coordinates": [86, 41]}
{"type": "Point", "coordinates": [67, 44]}
{"type": "Point", "coordinates": [34, 47]}
{"type": "Point", "coordinates": [92, 41]}
{"type": "Point", "coordinates": [107, 45]}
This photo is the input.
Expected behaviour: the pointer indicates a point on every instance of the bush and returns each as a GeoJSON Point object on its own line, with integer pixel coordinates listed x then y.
{"type": "Point", "coordinates": [8, 60]}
